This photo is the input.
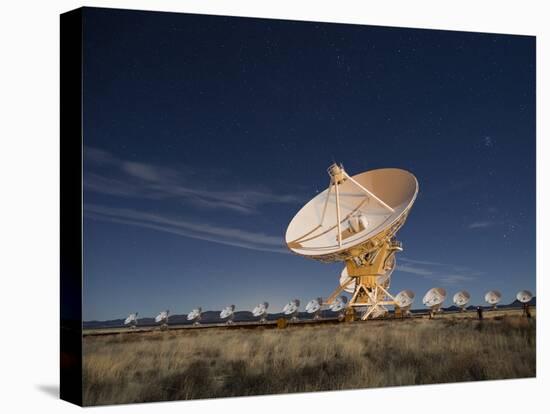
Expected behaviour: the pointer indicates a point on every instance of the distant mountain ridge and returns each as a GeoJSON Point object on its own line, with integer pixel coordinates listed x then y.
{"type": "Point", "coordinates": [211, 317]}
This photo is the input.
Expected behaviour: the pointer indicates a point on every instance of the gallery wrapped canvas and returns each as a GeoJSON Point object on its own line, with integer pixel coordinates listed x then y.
{"type": "Point", "coordinates": [258, 206]}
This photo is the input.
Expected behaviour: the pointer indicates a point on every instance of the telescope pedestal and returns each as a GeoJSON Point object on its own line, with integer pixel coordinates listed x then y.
{"type": "Point", "coordinates": [372, 275]}
{"type": "Point", "coordinates": [374, 297]}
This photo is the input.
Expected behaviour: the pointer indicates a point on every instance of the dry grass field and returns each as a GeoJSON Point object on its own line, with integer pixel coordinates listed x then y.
{"type": "Point", "coordinates": [189, 364]}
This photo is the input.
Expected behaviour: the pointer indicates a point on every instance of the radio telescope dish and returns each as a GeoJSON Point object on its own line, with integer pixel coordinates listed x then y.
{"type": "Point", "coordinates": [162, 319]}
{"type": "Point", "coordinates": [355, 221]}
{"type": "Point", "coordinates": [461, 299]}
{"type": "Point", "coordinates": [261, 311]}
{"type": "Point", "coordinates": [228, 313]}
{"type": "Point", "coordinates": [493, 298]}
{"type": "Point", "coordinates": [291, 309]}
{"type": "Point", "coordinates": [370, 202]}
{"type": "Point", "coordinates": [434, 298]}
{"type": "Point", "coordinates": [314, 307]}
{"type": "Point", "coordinates": [131, 320]}
{"type": "Point", "coordinates": [403, 302]}
{"type": "Point", "coordinates": [524, 296]}
{"type": "Point", "coordinates": [338, 306]}
{"type": "Point", "coordinates": [195, 316]}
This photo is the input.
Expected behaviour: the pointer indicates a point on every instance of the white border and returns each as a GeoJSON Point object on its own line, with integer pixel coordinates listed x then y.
{"type": "Point", "coordinates": [29, 176]}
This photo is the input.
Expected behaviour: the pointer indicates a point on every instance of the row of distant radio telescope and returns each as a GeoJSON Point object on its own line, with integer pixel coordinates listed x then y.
{"type": "Point", "coordinates": [433, 299]}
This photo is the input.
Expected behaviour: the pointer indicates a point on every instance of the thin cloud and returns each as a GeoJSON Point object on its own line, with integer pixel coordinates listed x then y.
{"type": "Point", "coordinates": [141, 171]}
{"type": "Point", "coordinates": [455, 279]}
{"type": "Point", "coordinates": [140, 180]}
{"type": "Point", "coordinates": [110, 186]}
{"type": "Point", "coordinates": [446, 274]}
{"type": "Point", "coordinates": [191, 229]}
{"type": "Point", "coordinates": [415, 270]}
{"type": "Point", "coordinates": [98, 156]}
{"type": "Point", "coordinates": [421, 262]}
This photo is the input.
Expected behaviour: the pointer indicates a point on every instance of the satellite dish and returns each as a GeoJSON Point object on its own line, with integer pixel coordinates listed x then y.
{"type": "Point", "coordinates": [338, 306]}
{"type": "Point", "coordinates": [261, 311]}
{"type": "Point", "coordinates": [493, 298]}
{"type": "Point", "coordinates": [355, 221]}
{"type": "Point", "coordinates": [524, 296]}
{"type": "Point", "coordinates": [370, 202]}
{"type": "Point", "coordinates": [461, 299]}
{"type": "Point", "coordinates": [228, 313]}
{"type": "Point", "coordinates": [403, 302]}
{"type": "Point", "coordinates": [291, 309]}
{"type": "Point", "coordinates": [434, 298]}
{"type": "Point", "coordinates": [314, 307]}
{"type": "Point", "coordinates": [162, 319]}
{"type": "Point", "coordinates": [195, 316]}
{"type": "Point", "coordinates": [131, 320]}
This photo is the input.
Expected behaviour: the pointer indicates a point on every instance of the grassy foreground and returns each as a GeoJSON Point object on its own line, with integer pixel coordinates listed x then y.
{"type": "Point", "coordinates": [189, 364]}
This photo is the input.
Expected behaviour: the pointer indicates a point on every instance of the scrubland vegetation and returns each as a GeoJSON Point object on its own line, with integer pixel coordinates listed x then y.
{"type": "Point", "coordinates": [218, 362]}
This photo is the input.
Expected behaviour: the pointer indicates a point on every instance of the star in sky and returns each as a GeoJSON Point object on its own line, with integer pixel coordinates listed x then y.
{"type": "Point", "coordinates": [212, 132]}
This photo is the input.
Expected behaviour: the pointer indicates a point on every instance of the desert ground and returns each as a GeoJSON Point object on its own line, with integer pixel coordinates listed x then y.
{"type": "Point", "coordinates": [154, 365]}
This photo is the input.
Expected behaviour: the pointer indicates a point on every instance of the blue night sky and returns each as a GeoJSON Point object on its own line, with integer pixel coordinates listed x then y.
{"type": "Point", "coordinates": [204, 135]}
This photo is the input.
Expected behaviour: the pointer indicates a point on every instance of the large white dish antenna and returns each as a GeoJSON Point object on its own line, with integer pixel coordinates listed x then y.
{"type": "Point", "coordinates": [524, 296]}
{"type": "Point", "coordinates": [434, 297]}
{"type": "Point", "coordinates": [355, 221]}
{"type": "Point", "coordinates": [369, 204]}
{"type": "Point", "coordinates": [493, 297]}
{"type": "Point", "coordinates": [195, 314]}
{"type": "Point", "coordinates": [131, 319]}
{"type": "Point", "coordinates": [461, 298]}
{"type": "Point", "coordinates": [404, 299]}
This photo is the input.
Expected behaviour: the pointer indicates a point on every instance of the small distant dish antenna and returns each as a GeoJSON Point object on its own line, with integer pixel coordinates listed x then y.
{"type": "Point", "coordinates": [228, 313]}
{"type": "Point", "coordinates": [403, 302]}
{"type": "Point", "coordinates": [434, 298]}
{"type": "Point", "coordinates": [131, 320]}
{"type": "Point", "coordinates": [162, 319]}
{"type": "Point", "coordinates": [338, 306]}
{"type": "Point", "coordinates": [461, 299]}
{"type": "Point", "coordinates": [314, 307]}
{"type": "Point", "coordinates": [195, 316]}
{"type": "Point", "coordinates": [261, 311]}
{"type": "Point", "coordinates": [291, 309]}
{"type": "Point", "coordinates": [355, 221]}
{"type": "Point", "coordinates": [493, 298]}
{"type": "Point", "coordinates": [524, 296]}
